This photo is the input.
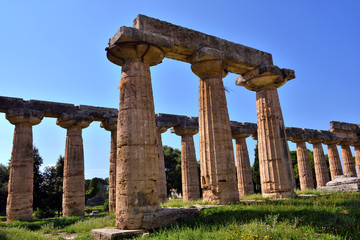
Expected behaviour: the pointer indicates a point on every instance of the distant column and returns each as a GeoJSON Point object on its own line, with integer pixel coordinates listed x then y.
{"type": "Point", "coordinates": [20, 187]}
{"type": "Point", "coordinates": [357, 157]}
{"type": "Point", "coordinates": [276, 171]}
{"type": "Point", "coordinates": [74, 178]}
{"type": "Point", "coordinates": [110, 124]}
{"type": "Point", "coordinates": [348, 160]}
{"type": "Point", "coordinates": [217, 163]}
{"type": "Point", "coordinates": [334, 159]}
{"type": "Point", "coordinates": [161, 182]}
{"type": "Point", "coordinates": [244, 174]}
{"type": "Point", "coordinates": [189, 169]}
{"type": "Point", "coordinates": [321, 170]}
{"type": "Point", "coordinates": [305, 173]}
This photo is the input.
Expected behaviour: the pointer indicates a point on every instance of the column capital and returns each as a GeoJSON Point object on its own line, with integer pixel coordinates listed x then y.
{"type": "Point", "coordinates": [345, 141]}
{"type": "Point", "coordinates": [109, 124]}
{"type": "Point", "coordinates": [161, 129]}
{"type": "Point", "coordinates": [265, 76]}
{"type": "Point", "coordinates": [213, 68]}
{"type": "Point", "coordinates": [185, 130]}
{"type": "Point", "coordinates": [355, 143]}
{"type": "Point", "coordinates": [31, 117]}
{"type": "Point", "coordinates": [71, 120]}
{"type": "Point", "coordinates": [238, 135]}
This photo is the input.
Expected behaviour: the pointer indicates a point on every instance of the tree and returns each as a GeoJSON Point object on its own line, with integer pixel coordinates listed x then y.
{"type": "Point", "coordinates": [256, 171]}
{"type": "Point", "coordinates": [172, 168]}
{"type": "Point", "coordinates": [4, 179]}
{"type": "Point", "coordinates": [38, 180]}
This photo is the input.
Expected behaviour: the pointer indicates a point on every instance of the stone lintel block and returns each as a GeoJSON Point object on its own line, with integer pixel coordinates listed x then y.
{"type": "Point", "coordinates": [342, 126]}
{"type": "Point", "coordinates": [98, 113]}
{"type": "Point", "coordinates": [346, 141]}
{"type": "Point", "coordinates": [355, 143]}
{"type": "Point", "coordinates": [7, 103]}
{"type": "Point", "coordinates": [265, 76]}
{"type": "Point", "coordinates": [206, 54]}
{"type": "Point", "coordinates": [242, 129]}
{"type": "Point", "coordinates": [113, 233]}
{"type": "Point", "coordinates": [74, 120]}
{"type": "Point", "coordinates": [31, 117]}
{"type": "Point", "coordinates": [318, 137]}
{"type": "Point", "coordinates": [52, 109]}
{"type": "Point", "coordinates": [109, 124]}
{"type": "Point", "coordinates": [170, 120]}
{"type": "Point", "coordinates": [238, 58]}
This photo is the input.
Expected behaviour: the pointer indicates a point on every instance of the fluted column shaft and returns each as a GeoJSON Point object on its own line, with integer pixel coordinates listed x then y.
{"type": "Point", "coordinates": [357, 159]}
{"type": "Point", "coordinates": [334, 161]}
{"type": "Point", "coordinates": [218, 175]}
{"type": "Point", "coordinates": [20, 187]}
{"type": "Point", "coordinates": [244, 174]}
{"type": "Point", "coordinates": [348, 161]}
{"type": "Point", "coordinates": [161, 182]}
{"type": "Point", "coordinates": [305, 173]}
{"type": "Point", "coordinates": [110, 125]}
{"type": "Point", "coordinates": [274, 157]}
{"type": "Point", "coordinates": [321, 171]}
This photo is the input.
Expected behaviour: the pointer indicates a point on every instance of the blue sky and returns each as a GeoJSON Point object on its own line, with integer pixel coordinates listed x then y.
{"type": "Point", "coordinates": [55, 51]}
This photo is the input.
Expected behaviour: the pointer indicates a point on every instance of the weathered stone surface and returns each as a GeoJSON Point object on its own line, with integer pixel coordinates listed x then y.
{"type": "Point", "coordinates": [74, 178]}
{"type": "Point", "coordinates": [348, 161]}
{"type": "Point", "coordinates": [20, 186]}
{"type": "Point", "coordinates": [218, 174]}
{"type": "Point", "coordinates": [113, 233]}
{"type": "Point", "coordinates": [357, 158]}
{"type": "Point", "coordinates": [244, 174]}
{"type": "Point", "coordinates": [343, 183]}
{"type": "Point", "coordinates": [189, 169]}
{"type": "Point", "coordinates": [137, 166]}
{"type": "Point", "coordinates": [161, 181]}
{"type": "Point", "coordinates": [334, 161]}
{"type": "Point", "coordinates": [187, 43]}
{"type": "Point", "coordinates": [110, 124]}
{"type": "Point", "coordinates": [305, 173]}
{"type": "Point", "coordinates": [276, 173]}
{"type": "Point", "coordinates": [166, 216]}
{"type": "Point", "coordinates": [321, 170]}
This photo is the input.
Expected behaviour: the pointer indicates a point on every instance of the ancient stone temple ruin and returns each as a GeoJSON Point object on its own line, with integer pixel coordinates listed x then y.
{"type": "Point", "coordinates": [137, 173]}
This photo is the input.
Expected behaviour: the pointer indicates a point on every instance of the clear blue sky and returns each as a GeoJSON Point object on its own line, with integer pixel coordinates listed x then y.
{"type": "Point", "coordinates": [55, 51]}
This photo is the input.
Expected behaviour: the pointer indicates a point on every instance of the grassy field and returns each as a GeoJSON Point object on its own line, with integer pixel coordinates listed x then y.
{"type": "Point", "coordinates": [325, 216]}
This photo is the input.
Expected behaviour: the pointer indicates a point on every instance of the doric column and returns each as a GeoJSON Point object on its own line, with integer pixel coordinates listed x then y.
{"type": "Point", "coordinates": [321, 170]}
{"type": "Point", "coordinates": [217, 163]}
{"type": "Point", "coordinates": [189, 169]}
{"type": "Point", "coordinates": [348, 160]}
{"type": "Point", "coordinates": [357, 156]}
{"type": "Point", "coordinates": [276, 171]}
{"type": "Point", "coordinates": [20, 187]}
{"type": "Point", "coordinates": [244, 174]}
{"type": "Point", "coordinates": [334, 159]}
{"type": "Point", "coordinates": [161, 181]}
{"type": "Point", "coordinates": [305, 174]}
{"type": "Point", "coordinates": [110, 125]}
{"type": "Point", "coordinates": [137, 166]}
{"type": "Point", "coordinates": [73, 202]}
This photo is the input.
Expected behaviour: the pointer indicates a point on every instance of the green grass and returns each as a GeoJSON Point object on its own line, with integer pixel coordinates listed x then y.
{"type": "Point", "coordinates": [324, 216]}
{"type": "Point", "coordinates": [179, 203]}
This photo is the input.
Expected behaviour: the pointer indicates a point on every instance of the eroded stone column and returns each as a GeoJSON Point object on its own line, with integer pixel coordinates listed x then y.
{"type": "Point", "coordinates": [357, 157]}
{"type": "Point", "coordinates": [110, 125]}
{"type": "Point", "coordinates": [20, 187]}
{"type": "Point", "coordinates": [348, 160]}
{"type": "Point", "coordinates": [73, 202]}
{"type": "Point", "coordinates": [189, 169]}
{"type": "Point", "coordinates": [321, 170]}
{"type": "Point", "coordinates": [161, 182]}
{"type": "Point", "coordinates": [244, 174]}
{"type": "Point", "coordinates": [305, 173]}
{"type": "Point", "coordinates": [276, 171]}
{"type": "Point", "coordinates": [137, 166]}
{"type": "Point", "coordinates": [217, 164]}
{"type": "Point", "coordinates": [334, 159]}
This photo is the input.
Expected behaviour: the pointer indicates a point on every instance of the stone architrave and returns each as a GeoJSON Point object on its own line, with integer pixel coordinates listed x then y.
{"type": "Point", "coordinates": [217, 163]}
{"type": "Point", "coordinates": [161, 182]}
{"type": "Point", "coordinates": [276, 171]}
{"type": "Point", "coordinates": [243, 168]}
{"type": "Point", "coordinates": [20, 187]}
{"type": "Point", "coordinates": [357, 157]}
{"type": "Point", "coordinates": [73, 202]}
{"type": "Point", "coordinates": [137, 166]}
{"type": "Point", "coordinates": [334, 159]}
{"type": "Point", "coordinates": [321, 170]}
{"type": "Point", "coordinates": [348, 160]}
{"type": "Point", "coordinates": [189, 169]}
{"type": "Point", "coordinates": [110, 124]}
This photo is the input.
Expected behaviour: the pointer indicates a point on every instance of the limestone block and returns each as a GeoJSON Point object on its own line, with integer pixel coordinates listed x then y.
{"type": "Point", "coordinates": [348, 161]}
{"type": "Point", "coordinates": [342, 183]}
